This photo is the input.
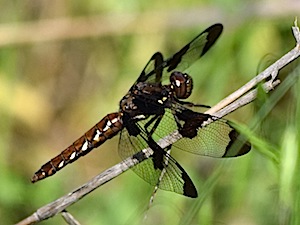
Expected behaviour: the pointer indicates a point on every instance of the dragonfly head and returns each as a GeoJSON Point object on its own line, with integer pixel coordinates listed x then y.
{"type": "Point", "coordinates": [181, 84]}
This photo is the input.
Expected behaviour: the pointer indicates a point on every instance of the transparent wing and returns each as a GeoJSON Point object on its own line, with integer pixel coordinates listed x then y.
{"type": "Point", "coordinates": [160, 169]}
{"type": "Point", "coordinates": [156, 68]}
{"type": "Point", "coordinates": [216, 139]}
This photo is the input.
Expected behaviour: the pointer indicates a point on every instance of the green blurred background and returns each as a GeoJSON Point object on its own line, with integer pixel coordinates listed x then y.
{"type": "Point", "coordinates": [66, 64]}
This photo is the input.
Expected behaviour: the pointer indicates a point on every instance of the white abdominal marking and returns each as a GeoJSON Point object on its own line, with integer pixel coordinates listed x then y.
{"type": "Point", "coordinates": [61, 164]}
{"type": "Point", "coordinates": [97, 136]}
{"type": "Point", "coordinates": [73, 155]}
{"type": "Point", "coordinates": [85, 146]}
{"type": "Point", "coordinates": [108, 124]}
{"type": "Point", "coordinates": [114, 120]}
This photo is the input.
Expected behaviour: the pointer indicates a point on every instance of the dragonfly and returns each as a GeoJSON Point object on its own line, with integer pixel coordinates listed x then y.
{"type": "Point", "coordinates": [153, 108]}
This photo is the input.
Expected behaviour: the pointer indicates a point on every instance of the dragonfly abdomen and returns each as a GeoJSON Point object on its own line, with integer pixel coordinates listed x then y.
{"type": "Point", "coordinates": [107, 128]}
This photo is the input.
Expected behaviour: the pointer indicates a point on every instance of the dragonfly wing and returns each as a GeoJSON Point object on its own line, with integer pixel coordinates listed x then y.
{"type": "Point", "coordinates": [215, 139]}
{"type": "Point", "coordinates": [160, 168]}
{"type": "Point", "coordinates": [185, 57]}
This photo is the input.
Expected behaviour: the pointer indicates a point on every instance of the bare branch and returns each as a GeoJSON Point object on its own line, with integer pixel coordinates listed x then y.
{"type": "Point", "coordinates": [69, 218]}
{"type": "Point", "coordinates": [62, 203]}
{"type": "Point", "coordinates": [241, 97]}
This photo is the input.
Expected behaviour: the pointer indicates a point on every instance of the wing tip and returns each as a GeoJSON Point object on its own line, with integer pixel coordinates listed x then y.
{"type": "Point", "coordinates": [214, 33]}
{"type": "Point", "coordinates": [189, 189]}
{"type": "Point", "coordinates": [237, 146]}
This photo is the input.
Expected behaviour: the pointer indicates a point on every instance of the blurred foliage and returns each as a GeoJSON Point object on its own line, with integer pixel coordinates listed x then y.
{"type": "Point", "coordinates": [54, 89]}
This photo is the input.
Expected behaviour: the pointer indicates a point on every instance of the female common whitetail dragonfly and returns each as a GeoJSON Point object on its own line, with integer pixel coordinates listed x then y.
{"type": "Point", "coordinates": [152, 110]}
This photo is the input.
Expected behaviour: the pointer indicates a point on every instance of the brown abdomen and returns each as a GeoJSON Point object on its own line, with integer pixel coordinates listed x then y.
{"type": "Point", "coordinates": [107, 128]}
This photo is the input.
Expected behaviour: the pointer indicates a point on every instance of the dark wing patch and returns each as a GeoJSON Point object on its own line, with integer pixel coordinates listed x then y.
{"type": "Point", "coordinates": [195, 49]}
{"type": "Point", "coordinates": [183, 58]}
{"type": "Point", "coordinates": [217, 139]}
{"type": "Point", "coordinates": [160, 169]}
{"type": "Point", "coordinates": [154, 66]}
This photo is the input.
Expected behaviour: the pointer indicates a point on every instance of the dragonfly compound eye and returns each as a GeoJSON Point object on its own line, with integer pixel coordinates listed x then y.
{"type": "Point", "coordinates": [182, 84]}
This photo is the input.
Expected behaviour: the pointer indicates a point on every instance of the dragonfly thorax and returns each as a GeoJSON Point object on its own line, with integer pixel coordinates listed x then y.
{"type": "Point", "coordinates": [146, 99]}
